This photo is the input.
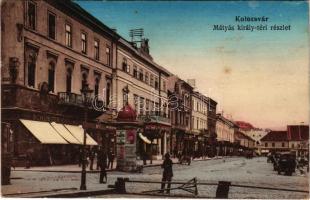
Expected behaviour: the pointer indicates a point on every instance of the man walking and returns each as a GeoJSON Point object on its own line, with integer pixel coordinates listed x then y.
{"type": "Point", "coordinates": [91, 158]}
{"type": "Point", "coordinates": [167, 174]}
{"type": "Point", "coordinates": [102, 162]}
{"type": "Point", "coordinates": [111, 159]}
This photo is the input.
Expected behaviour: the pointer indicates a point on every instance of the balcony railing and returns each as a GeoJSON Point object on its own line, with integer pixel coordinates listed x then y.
{"type": "Point", "coordinates": [70, 99]}
{"type": "Point", "coordinates": [154, 116]}
{"type": "Point", "coordinates": [73, 99]}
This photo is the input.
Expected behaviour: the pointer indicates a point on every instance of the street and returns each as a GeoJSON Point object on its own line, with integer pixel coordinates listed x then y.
{"type": "Point", "coordinates": [252, 172]}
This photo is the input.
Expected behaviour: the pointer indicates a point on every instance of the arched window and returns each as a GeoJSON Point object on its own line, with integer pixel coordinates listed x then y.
{"type": "Point", "coordinates": [51, 76]}
{"type": "Point", "coordinates": [69, 80]}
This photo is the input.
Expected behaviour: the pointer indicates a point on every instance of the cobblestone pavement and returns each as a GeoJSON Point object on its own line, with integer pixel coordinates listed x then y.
{"type": "Point", "coordinates": [256, 172]}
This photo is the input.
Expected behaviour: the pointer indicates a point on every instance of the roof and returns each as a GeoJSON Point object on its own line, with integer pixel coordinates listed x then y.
{"type": "Point", "coordinates": [275, 136]}
{"type": "Point", "coordinates": [225, 120]}
{"type": "Point", "coordinates": [241, 135]}
{"type": "Point", "coordinates": [298, 132]}
{"type": "Point", "coordinates": [76, 9]}
{"type": "Point", "coordinates": [72, 8]}
{"type": "Point", "coordinates": [129, 46]}
{"type": "Point", "coordinates": [244, 125]}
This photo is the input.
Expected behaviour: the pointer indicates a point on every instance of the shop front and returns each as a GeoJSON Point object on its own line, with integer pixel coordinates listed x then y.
{"type": "Point", "coordinates": [159, 140]}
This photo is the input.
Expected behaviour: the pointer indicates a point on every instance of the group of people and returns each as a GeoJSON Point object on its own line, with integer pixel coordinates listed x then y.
{"type": "Point", "coordinates": [105, 161]}
{"type": "Point", "coordinates": [93, 154]}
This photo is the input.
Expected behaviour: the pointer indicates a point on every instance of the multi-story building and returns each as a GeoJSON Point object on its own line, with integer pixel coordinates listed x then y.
{"type": "Point", "coordinates": [179, 92]}
{"type": "Point", "coordinates": [255, 133]}
{"type": "Point", "coordinates": [294, 139]}
{"type": "Point", "coordinates": [225, 130]}
{"type": "Point", "coordinates": [212, 118]}
{"type": "Point", "coordinates": [242, 141]}
{"type": "Point", "coordinates": [298, 139]}
{"type": "Point", "coordinates": [275, 141]}
{"type": "Point", "coordinates": [50, 51]}
{"type": "Point", "coordinates": [141, 83]}
{"type": "Point", "coordinates": [199, 122]}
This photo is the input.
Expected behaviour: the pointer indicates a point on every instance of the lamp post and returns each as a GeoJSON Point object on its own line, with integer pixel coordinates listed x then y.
{"type": "Point", "coordinates": [86, 94]}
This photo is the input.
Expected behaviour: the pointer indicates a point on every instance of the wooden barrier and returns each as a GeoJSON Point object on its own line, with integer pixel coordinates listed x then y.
{"type": "Point", "coordinates": [190, 186]}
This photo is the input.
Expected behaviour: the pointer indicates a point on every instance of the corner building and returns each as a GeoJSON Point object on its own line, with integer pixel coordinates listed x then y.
{"type": "Point", "coordinates": [141, 83]}
{"type": "Point", "coordinates": [50, 50]}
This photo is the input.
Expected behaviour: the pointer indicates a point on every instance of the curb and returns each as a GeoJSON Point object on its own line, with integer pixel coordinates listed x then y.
{"type": "Point", "coordinates": [68, 194]}
{"type": "Point", "coordinates": [78, 194]}
{"type": "Point", "coordinates": [69, 171]}
{"type": "Point", "coordinates": [108, 170]}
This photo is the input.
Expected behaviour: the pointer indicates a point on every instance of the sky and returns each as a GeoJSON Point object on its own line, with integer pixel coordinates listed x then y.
{"type": "Point", "coordinates": [261, 77]}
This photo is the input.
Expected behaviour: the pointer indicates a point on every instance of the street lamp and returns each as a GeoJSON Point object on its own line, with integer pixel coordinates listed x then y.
{"type": "Point", "coordinates": [86, 94]}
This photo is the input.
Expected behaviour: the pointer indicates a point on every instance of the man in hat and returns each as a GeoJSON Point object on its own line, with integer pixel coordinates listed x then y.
{"type": "Point", "coordinates": [167, 174]}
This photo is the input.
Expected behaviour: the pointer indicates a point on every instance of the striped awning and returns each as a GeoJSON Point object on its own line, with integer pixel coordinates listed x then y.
{"type": "Point", "coordinates": [78, 133]}
{"type": "Point", "coordinates": [65, 133]}
{"type": "Point", "coordinates": [43, 131]}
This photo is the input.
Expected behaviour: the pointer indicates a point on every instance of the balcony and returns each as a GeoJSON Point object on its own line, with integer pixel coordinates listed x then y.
{"type": "Point", "coordinates": [155, 117]}
{"type": "Point", "coordinates": [70, 99]}
{"type": "Point", "coordinates": [75, 103]}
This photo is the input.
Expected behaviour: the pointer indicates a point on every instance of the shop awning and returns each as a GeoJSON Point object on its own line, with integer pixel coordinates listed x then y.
{"type": "Point", "coordinates": [44, 132]}
{"type": "Point", "coordinates": [145, 139]}
{"type": "Point", "coordinates": [63, 131]}
{"type": "Point", "coordinates": [78, 133]}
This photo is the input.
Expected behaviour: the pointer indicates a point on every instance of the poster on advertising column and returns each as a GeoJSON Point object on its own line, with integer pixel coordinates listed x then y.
{"type": "Point", "coordinates": [126, 149]}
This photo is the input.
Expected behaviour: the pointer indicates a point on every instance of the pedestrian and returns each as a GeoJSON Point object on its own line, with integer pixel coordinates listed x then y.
{"type": "Point", "coordinates": [28, 160]}
{"type": "Point", "coordinates": [111, 159]}
{"type": "Point", "coordinates": [144, 155]}
{"type": "Point", "coordinates": [167, 173]}
{"type": "Point", "coordinates": [102, 161]}
{"type": "Point", "coordinates": [91, 158]}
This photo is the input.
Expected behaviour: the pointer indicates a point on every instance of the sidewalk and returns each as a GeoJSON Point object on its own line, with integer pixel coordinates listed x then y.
{"type": "Point", "coordinates": [62, 181]}
{"type": "Point", "coordinates": [77, 169]}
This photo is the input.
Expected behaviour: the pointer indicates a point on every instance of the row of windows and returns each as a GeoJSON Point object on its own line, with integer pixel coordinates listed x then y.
{"type": "Point", "coordinates": [282, 145]}
{"type": "Point", "coordinates": [180, 118]}
{"type": "Point", "coordinates": [199, 106]}
{"type": "Point", "coordinates": [198, 123]}
{"type": "Point", "coordinates": [146, 106]}
{"type": "Point", "coordinates": [51, 23]}
{"type": "Point", "coordinates": [273, 144]}
{"type": "Point", "coordinates": [51, 81]}
{"type": "Point", "coordinates": [146, 77]}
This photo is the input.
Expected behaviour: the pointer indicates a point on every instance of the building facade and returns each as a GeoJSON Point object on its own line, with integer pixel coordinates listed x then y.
{"type": "Point", "coordinates": [50, 51]}
{"type": "Point", "coordinates": [275, 141]}
{"type": "Point", "coordinates": [199, 122]}
{"type": "Point", "coordinates": [225, 130]}
{"type": "Point", "coordinates": [294, 139]}
{"type": "Point", "coordinates": [298, 137]}
{"type": "Point", "coordinates": [179, 92]}
{"type": "Point", "coordinates": [141, 83]}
